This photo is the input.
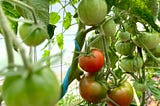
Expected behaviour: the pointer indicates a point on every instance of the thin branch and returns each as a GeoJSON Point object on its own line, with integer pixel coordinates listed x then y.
{"type": "Point", "coordinates": [11, 34]}
{"type": "Point", "coordinates": [6, 33]}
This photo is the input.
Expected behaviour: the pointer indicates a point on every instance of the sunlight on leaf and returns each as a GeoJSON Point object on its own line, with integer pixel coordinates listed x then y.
{"type": "Point", "coordinates": [54, 18]}
{"type": "Point", "coordinates": [67, 20]}
{"type": "Point", "coordinates": [60, 42]}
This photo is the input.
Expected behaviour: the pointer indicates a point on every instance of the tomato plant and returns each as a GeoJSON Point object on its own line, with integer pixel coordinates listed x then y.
{"type": "Point", "coordinates": [92, 12]}
{"type": "Point", "coordinates": [122, 95]}
{"type": "Point", "coordinates": [92, 62]}
{"type": "Point", "coordinates": [126, 31]}
{"type": "Point", "coordinates": [31, 34]}
{"type": "Point", "coordinates": [37, 89]}
{"type": "Point", "coordinates": [91, 90]}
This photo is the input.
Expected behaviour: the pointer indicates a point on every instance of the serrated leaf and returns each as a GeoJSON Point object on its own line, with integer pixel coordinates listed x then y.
{"type": "Point", "coordinates": [10, 11]}
{"type": "Point", "coordinates": [54, 18]}
{"type": "Point", "coordinates": [67, 20]}
{"type": "Point", "coordinates": [41, 8]}
{"type": "Point", "coordinates": [60, 41]}
{"type": "Point", "coordinates": [146, 11]}
{"type": "Point", "coordinates": [154, 90]}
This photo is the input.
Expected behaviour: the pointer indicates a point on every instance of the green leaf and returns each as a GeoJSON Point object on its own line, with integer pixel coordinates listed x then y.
{"type": "Point", "coordinates": [123, 4]}
{"type": "Point", "coordinates": [10, 11]}
{"type": "Point", "coordinates": [159, 15]}
{"type": "Point", "coordinates": [41, 8]}
{"type": "Point", "coordinates": [154, 90]}
{"type": "Point", "coordinates": [60, 41]}
{"type": "Point", "coordinates": [54, 18]}
{"type": "Point", "coordinates": [51, 29]}
{"type": "Point", "coordinates": [110, 3]}
{"type": "Point", "coordinates": [53, 1]}
{"type": "Point", "coordinates": [46, 53]}
{"type": "Point", "coordinates": [74, 1]}
{"type": "Point", "coordinates": [146, 10]}
{"type": "Point", "coordinates": [113, 57]}
{"type": "Point", "coordinates": [67, 20]}
{"type": "Point", "coordinates": [118, 73]}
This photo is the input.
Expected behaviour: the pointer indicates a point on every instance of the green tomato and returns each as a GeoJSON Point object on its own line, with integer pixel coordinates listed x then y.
{"type": "Point", "coordinates": [150, 40]}
{"type": "Point", "coordinates": [124, 36]}
{"type": "Point", "coordinates": [124, 48]}
{"type": "Point", "coordinates": [92, 12]}
{"type": "Point", "coordinates": [131, 64]}
{"type": "Point", "coordinates": [109, 27]}
{"type": "Point", "coordinates": [156, 50]}
{"type": "Point", "coordinates": [31, 34]}
{"type": "Point", "coordinates": [40, 88]}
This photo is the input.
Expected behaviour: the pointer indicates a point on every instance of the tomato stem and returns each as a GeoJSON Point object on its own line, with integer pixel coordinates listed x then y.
{"type": "Point", "coordinates": [10, 36]}
{"type": "Point", "coordinates": [21, 4]}
{"type": "Point", "coordinates": [106, 54]}
{"type": "Point", "coordinates": [145, 47]}
{"type": "Point", "coordinates": [6, 30]}
{"type": "Point", "coordinates": [143, 99]}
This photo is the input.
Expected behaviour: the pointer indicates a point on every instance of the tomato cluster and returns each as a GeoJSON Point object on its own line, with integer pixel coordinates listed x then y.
{"type": "Point", "coordinates": [90, 89]}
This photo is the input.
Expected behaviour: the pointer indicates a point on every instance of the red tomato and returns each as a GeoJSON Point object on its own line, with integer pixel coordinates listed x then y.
{"type": "Point", "coordinates": [90, 90]}
{"type": "Point", "coordinates": [92, 63]}
{"type": "Point", "coordinates": [122, 95]}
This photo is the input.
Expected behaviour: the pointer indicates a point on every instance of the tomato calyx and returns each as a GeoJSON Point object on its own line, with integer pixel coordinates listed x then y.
{"type": "Point", "coordinates": [140, 86]}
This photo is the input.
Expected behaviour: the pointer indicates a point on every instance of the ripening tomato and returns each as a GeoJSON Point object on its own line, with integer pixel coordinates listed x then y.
{"type": "Point", "coordinates": [91, 90]}
{"type": "Point", "coordinates": [92, 63]}
{"type": "Point", "coordinates": [122, 95]}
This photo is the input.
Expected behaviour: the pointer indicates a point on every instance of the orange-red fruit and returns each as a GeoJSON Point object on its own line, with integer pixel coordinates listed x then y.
{"type": "Point", "coordinates": [92, 63]}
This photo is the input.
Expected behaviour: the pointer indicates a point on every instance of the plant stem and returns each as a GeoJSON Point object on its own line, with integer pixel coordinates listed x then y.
{"type": "Point", "coordinates": [6, 33]}
{"type": "Point", "coordinates": [21, 4]}
{"type": "Point", "coordinates": [80, 38]}
{"type": "Point", "coordinates": [149, 52]}
{"type": "Point", "coordinates": [143, 99]}
{"type": "Point", "coordinates": [107, 55]}
{"type": "Point", "coordinates": [9, 32]}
